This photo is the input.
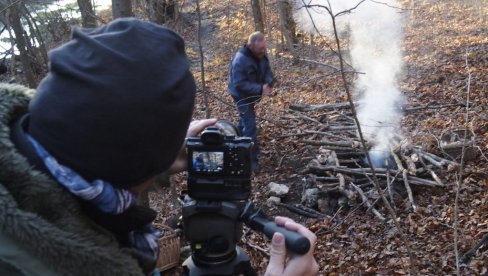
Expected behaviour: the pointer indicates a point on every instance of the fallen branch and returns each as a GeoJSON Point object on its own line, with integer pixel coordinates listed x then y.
{"type": "Point", "coordinates": [382, 172]}
{"type": "Point", "coordinates": [302, 210]}
{"type": "Point", "coordinates": [257, 247]}
{"type": "Point", "coordinates": [405, 179]}
{"type": "Point", "coordinates": [466, 258]}
{"type": "Point", "coordinates": [346, 154]}
{"type": "Point", "coordinates": [292, 135]}
{"type": "Point", "coordinates": [439, 159]}
{"type": "Point", "coordinates": [342, 128]}
{"type": "Point", "coordinates": [344, 145]}
{"type": "Point", "coordinates": [413, 109]}
{"type": "Point", "coordinates": [457, 145]}
{"type": "Point", "coordinates": [412, 169]}
{"type": "Point", "coordinates": [323, 133]}
{"type": "Point", "coordinates": [409, 190]}
{"type": "Point", "coordinates": [366, 201]}
{"type": "Point", "coordinates": [431, 160]}
{"type": "Point", "coordinates": [302, 117]}
{"type": "Point", "coordinates": [323, 178]}
{"type": "Point", "coordinates": [309, 107]}
{"type": "Point", "coordinates": [460, 179]}
{"type": "Point", "coordinates": [390, 191]}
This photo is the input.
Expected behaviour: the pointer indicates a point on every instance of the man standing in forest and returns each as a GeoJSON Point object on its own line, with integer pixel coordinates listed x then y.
{"type": "Point", "coordinates": [250, 78]}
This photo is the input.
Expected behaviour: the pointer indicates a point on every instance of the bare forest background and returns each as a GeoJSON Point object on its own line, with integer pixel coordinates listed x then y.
{"type": "Point", "coordinates": [419, 94]}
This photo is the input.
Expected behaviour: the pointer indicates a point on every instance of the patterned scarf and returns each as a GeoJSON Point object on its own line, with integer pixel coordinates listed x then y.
{"type": "Point", "coordinates": [103, 195]}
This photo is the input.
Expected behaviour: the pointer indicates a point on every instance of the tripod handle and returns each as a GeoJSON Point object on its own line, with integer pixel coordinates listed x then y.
{"type": "Point", "coordinates": [294, 241]}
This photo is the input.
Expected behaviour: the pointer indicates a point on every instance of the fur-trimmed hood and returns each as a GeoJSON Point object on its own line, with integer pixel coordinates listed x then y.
{"type": "Point", "coordinates": [42, 227]}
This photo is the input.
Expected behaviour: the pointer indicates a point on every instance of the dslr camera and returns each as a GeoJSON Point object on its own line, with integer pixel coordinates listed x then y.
{"type": "Point", "coordinates": [217, 205]}
{"type": "Point", "coordinates": [219, 164]}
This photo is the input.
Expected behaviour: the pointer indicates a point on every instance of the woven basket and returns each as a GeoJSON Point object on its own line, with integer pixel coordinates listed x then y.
{"type": "Point", "coordinates": [169, 248]}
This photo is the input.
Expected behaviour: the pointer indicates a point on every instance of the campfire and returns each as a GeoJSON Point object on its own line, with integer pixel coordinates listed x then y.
{"type": "Point", "coordinates": [339, 174]}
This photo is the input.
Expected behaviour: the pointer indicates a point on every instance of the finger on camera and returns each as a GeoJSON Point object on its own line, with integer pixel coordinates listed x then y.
{"type": "Point", "coordinates": [199, 125]}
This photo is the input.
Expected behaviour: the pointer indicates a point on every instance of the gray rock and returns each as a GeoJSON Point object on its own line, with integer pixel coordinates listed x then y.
{"type": "Point", "coordinates": [273, 200]}
{"type": "Point", "coordinates": [278, 190]}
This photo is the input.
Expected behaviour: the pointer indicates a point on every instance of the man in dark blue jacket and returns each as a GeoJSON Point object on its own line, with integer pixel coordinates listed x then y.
{"type": "Point", "coordinates": [250, 78]}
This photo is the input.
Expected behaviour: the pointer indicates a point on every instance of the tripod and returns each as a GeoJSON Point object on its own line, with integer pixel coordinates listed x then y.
{"type": "Point", "coordinates": [214, 228]}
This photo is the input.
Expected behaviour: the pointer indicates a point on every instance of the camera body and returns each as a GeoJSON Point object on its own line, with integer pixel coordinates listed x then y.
{"type": "Point", "coordinates": [219, 165]}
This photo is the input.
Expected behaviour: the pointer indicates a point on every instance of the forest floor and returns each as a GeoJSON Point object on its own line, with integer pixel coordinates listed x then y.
{"type": "Point", "coordinates": [445, 56]}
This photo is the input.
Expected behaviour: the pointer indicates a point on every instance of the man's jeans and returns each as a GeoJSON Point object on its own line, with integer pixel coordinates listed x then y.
{"type": "Point", "coordinates": [247, 127]}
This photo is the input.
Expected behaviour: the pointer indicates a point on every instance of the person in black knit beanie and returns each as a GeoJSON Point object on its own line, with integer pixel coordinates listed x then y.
{"type": "Point", "coordinates": [111, 114]}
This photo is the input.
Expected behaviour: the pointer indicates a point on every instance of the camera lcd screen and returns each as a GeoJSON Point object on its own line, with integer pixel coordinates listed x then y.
{"type": "Point", "coordinates": [208, 161]}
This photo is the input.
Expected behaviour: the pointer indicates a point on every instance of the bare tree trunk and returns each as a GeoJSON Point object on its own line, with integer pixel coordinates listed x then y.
{"type": "Point", "coordinates": [287, 23]}
{"type": "Point", "coordinates": [155, 10]}
{"type": "Point", "coordinates": [258, 16]}
{"type": "Point", "coordinates": [21, 41]}
{"type": "Point", "coordinates": [37, 34]}
{"type": "Point", "coordinates": [160, 11]}
{"type": "Point", "coordinates": [88, 19]}
{"type": "Point", "coordinates": [202, 67]}
{"type": "Point", "coordinates": [121, 8]}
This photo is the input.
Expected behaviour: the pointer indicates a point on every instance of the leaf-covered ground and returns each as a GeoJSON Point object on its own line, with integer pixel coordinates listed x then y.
{"type": "Point", "coordinates": [446, 62]}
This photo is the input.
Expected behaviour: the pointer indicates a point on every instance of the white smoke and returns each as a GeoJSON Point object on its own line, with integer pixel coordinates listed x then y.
{"type": "Point", "coordinates": [376, 38]}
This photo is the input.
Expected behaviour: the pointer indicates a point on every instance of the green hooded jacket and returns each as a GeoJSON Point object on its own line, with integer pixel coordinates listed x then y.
{"type": "Point", "coordinates": [43, 230]}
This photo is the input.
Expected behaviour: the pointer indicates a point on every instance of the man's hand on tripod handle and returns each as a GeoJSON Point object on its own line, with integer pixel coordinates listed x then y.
{"type": "Point", "coordinates": [283, 262]}
{"type": "Point", "coordinates": [294, 242]}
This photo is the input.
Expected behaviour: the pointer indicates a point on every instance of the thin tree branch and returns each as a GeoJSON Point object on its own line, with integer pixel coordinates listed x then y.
{"type": "Point", "coordinates": [460, 175]}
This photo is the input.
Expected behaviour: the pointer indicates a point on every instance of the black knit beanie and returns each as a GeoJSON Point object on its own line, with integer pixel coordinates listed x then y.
{"type": "Point", "coordinates": [116, 103]}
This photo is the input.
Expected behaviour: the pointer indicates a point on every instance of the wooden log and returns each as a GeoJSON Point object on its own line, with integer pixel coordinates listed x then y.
{"type": "Point", "coordinates": [439, 159]}
{"type": "Point", "coordinates": [346, 154]}
{"type": "Point", "coordinates": [292, 135]}
{"type": "Point", "coordinates": [365, 185]}
{"type": "Point", "coordinates": [309, 107]}
{"type": "Point", "coordinates": [436, 178]}
{"type": "Point", "coordinates": [302, 210]}
{"type": "Point", "coordinates": [327, 186]}
{"type": "Point", "coordinates": [344, 145]}
{"type": "Point", "coordinates": [349, 161]}
{"type": "Point", "coordinates": [431, 160]}
{"type": "Point", "coordinates": [321, 129]}
{"type": "Point", "coordinates": [414, 109]}
{"type": "Point", "coordinates": [338, 190]}
{"type": "Point", "coordinates": [325, 178]}
{"type": "Point", "coordinates": [362, 180]}
{"type": "Point", "coordinates": [334, 157]}
{"type": "Point", "coordinates": [334, 148]}
{"type": "Point", "coordinates": [397, 159]}
{"type": "Point", "coordinates": [405, 179]}
{"type": "Point", "coordinates": [380, 172]}
{"type": "Point", "coordinates": [389, 189]}
{"type": "Point", "coordinates": [317, 169]}
{"type": "Point", "coordinates": [412, 169]}
{"type": "Point", "coordinates": [342, 128]}
{"type": "Point", "coordinates": [342, 181]}
{"type": "Point", "coordinates": [456, 145]}
{"type": "Point", "coordinates": [409, 190]}
{"type": "Point", "coordinates": [302, 117]}
{"type": "Point", "coordinates": [324, 133]}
